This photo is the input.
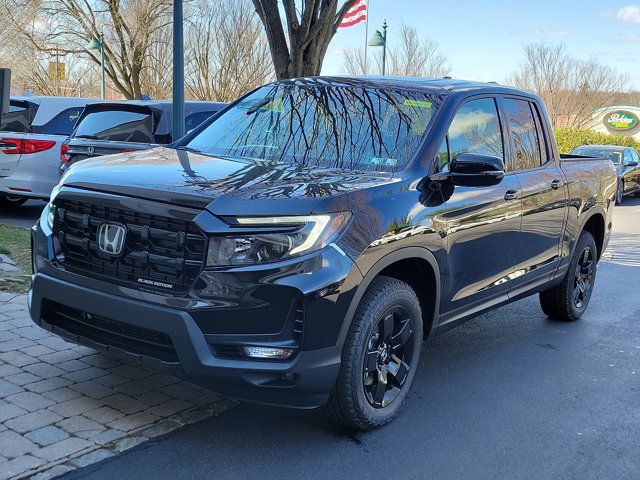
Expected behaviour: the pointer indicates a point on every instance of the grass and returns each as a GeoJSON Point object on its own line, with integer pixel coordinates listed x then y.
{"type": "Point", "coordinates": [16, 244]}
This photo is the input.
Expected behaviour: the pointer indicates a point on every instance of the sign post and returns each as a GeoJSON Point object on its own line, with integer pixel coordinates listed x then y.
{"type": "Point", "coordinates": [178, 72]}
{"type": "Point", "coordinates": [5, 89]}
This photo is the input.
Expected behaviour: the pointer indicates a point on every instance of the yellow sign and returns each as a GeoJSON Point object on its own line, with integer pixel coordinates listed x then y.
{"type": "Point", "coordinates": [57, 71]}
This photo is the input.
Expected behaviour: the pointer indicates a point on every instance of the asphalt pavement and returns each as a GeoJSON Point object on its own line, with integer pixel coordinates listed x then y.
{"type": "Point", "coordinates": [508, 395]}
{"type": "Point", "coordinates": [24, 215]}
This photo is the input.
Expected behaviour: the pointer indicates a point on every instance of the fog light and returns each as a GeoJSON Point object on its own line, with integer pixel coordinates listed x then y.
{"type": "Point", "coordinates": [268, 352]}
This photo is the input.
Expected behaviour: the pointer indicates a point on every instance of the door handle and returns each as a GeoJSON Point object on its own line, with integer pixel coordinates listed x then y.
{"type": "Point", "coordinates": [556, 184]}
{"type": "Point", "coordinates": [511, 195]}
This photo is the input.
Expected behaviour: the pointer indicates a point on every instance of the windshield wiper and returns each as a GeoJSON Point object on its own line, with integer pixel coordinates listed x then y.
{"type": "Point", "coordinates": [258, 106]}
{"type": "Point", "coordinates": [188, 149]}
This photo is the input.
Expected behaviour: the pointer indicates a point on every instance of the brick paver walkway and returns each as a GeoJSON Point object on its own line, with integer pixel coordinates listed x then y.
{"type": "Point", "coordinates": [63, 406]}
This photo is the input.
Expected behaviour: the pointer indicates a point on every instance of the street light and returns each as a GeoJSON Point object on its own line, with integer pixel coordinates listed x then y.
{"type": "Point", "coordinates": [98, 44]}
{"type": "Point", "coordinates": [380, 40]}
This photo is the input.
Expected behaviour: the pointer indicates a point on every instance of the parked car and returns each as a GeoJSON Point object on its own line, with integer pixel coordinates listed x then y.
{"type": "Point", "coordinates": [626, 162]}
{"type": "Point", "coordinates": [30, 138]}
{"type": "Point", "coordinates": [107, 128]}
{"type": "Point", "coordinates": [297, 248]}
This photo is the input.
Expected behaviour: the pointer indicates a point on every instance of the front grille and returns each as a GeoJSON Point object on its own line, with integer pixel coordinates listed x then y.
{"type": "Point", "coordinates": [160, 253]}
{"type": "Point", "coordinates": [110, 333]}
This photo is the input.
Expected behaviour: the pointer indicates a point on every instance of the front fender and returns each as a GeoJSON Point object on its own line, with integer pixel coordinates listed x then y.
{"type": "Point", "coordinates": [384, 262]}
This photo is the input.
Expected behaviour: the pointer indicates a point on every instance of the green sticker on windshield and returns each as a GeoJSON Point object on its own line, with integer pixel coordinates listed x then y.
{"type": "Point", "coordinates": [417, 103]}
{"type": "Point", "coordinates": [275, 105]}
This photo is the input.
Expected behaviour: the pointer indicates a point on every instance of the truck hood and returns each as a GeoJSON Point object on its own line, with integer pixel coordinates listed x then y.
{"type": "Point", "coordinates": [223, 185]}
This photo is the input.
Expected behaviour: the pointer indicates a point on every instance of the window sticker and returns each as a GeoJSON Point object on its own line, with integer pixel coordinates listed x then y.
{"type": "Point", "coordinates": [391, 162]}
{"type": "Point", "coordinates": [417, 103]}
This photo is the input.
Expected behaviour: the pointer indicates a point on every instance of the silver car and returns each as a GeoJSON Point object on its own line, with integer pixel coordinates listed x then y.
{"type": "Point", "coordinates": [31, 134]}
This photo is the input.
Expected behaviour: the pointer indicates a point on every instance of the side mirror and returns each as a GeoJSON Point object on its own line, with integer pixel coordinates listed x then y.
{"type": "Point", "coordinates": [632, 163]}
{"type": "Point", "coordinates": [474, 170]}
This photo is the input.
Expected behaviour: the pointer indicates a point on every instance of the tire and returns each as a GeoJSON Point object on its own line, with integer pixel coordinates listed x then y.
{"type": "Point", "coordinates": [378, 344]}
{"type": "Point", "coordinates": [11, 201]}
{"type": "Point", "coordinates": [620, 192]}
{"type": "Point", "coordinates": [569, 300]}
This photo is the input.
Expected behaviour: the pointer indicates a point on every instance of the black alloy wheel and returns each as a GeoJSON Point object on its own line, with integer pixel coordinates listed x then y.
{"type": "Point", "coordinates": [583, 277]}
{"type": "Point", "coordinates": [568, 300]}
{"type": "Point", "coordinates": [620, 192]}
{"type": "Point", "coordinates": [379, 356]}
{"type": "Point", "coordinates": [389, 357]}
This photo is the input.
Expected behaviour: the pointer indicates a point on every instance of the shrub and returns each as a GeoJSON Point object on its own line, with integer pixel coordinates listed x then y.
{"type": "Point", "coordinates": [570, 138]}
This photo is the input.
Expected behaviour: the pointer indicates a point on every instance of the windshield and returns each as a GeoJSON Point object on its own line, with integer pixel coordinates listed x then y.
{"type": "Point", "coordinates": [614, 155]}
{"type": "Point", "coordinates": [117, 125]}
{"type": "Point", "coordinates": [325, 126]}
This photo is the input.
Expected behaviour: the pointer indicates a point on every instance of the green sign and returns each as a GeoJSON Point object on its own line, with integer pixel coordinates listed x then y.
{"type": "Point", "coordinates": [621, 120]}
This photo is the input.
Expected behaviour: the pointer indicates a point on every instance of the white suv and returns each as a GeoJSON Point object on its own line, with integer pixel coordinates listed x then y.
{"type": "Point", "coordinates": [31, 134]}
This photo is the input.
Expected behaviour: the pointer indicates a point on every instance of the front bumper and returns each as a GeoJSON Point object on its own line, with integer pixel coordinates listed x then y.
{"type": "Point", "coordinates": [200, 321]}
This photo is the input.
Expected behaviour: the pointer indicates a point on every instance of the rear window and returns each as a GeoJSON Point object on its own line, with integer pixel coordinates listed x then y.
{"type": "Point", "coordinates": [117, 125]}
{"type": "Point", "coordinates": [61, 124]}
{"type": "Point", "coordinates": [18, 118]}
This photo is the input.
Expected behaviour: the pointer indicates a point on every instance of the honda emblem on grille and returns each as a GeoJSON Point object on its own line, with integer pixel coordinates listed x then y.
{"type": "Point", "coordinates": [111, 238]}
{"type": "Point", "coordinates": [91, 150]}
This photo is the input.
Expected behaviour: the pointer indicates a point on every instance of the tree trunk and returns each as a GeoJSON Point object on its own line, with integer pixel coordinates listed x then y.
{"type": "Point", "coordinates": [309, 33]}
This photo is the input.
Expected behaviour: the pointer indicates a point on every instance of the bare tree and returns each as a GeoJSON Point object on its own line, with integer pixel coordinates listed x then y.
{"type": "Point", "coordinates": [31, 67]}
{"type": "Point", "coordinates": [409, 57]}
{"type": "Point", "coordinates": [68, 25]}
{"type": "Point", "coordinates": [311, 24]}
{"type": "Point", "coordinates": [227, 52]}
{"type": "Point", "coordinates": [571, 88]}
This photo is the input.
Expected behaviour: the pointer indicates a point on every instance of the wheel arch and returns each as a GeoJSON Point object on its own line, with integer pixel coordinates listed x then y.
{"type": "Point", "coordinates": [595, 224]}
{"type": "Point", "coordinates": [415, 266]}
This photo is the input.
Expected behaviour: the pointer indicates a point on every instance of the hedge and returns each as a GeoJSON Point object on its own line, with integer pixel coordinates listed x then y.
{"type": "Point", "coordinates": [570, 138]}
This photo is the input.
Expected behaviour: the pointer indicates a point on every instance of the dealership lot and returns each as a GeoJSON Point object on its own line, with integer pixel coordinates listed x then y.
{"type": "Point", "coordinates": [512, 393]}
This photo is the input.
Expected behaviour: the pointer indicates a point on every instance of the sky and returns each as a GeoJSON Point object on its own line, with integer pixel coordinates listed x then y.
{"type": "Point", "coordinates": [483, 39]}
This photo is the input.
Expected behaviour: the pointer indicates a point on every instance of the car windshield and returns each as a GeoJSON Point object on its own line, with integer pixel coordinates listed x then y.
{"type": "Point", "coordinates": [313, 125]}
{"type": "Point", "coordinates": [614, 155]}
{"type": "Point", "coordinates": [118, 125]}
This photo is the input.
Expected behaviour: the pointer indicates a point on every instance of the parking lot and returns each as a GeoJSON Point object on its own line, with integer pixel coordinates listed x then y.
{"type": "Point", "coordinates": [510, 394]}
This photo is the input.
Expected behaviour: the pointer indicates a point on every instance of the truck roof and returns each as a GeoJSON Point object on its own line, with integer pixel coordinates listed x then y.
{"type": "Point", "coordinates": [442, 85]}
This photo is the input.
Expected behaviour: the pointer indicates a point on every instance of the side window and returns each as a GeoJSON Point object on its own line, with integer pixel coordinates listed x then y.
{"type": "Point", "coordinates": [546, 154]}
{"type": "Point", "coordinates": [634, 156]}
{"type": "Point", "coordinates": [525, 144]}
{"type": "Point", "coordinates": [62, 123]}
{"type": "Point", "coordinates": [476, 129]}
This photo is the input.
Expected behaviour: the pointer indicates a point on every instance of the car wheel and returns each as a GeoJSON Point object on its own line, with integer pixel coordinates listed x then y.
{"type": "Point", "coordinates": [379, 357]}
{"type": "Point", "coordinates": [620, 192]}
{"type": "Point", "coordinates": [569, 300]}
{"type": "Point", "coordinates": [11, 201]}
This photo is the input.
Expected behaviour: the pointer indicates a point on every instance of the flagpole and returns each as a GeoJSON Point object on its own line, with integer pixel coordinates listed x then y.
{"type": "Point", "coordinates": [366, 38]}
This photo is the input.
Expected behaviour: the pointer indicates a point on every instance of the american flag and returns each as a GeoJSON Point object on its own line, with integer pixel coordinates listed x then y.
{"type": "Point", "coordinates": [355, 14]}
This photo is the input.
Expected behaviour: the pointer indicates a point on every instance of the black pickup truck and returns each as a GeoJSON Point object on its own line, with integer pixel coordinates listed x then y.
{"type": "Point", "coordinates": [297, 248]}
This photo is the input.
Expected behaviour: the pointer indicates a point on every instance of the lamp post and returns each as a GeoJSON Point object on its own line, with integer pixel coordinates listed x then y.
{"type": "Point", "coordinates": [380, 40]}
{"type": "Point", "coordinates": [98, 44]}
{"type": "Point", "coordinates": [178, 72]}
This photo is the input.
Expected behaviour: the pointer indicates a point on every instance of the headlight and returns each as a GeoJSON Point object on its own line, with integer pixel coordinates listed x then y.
{"type": "Point", "coordinates": [299, 235]}
{"type": "Point", "coordinates": [51, 215]}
